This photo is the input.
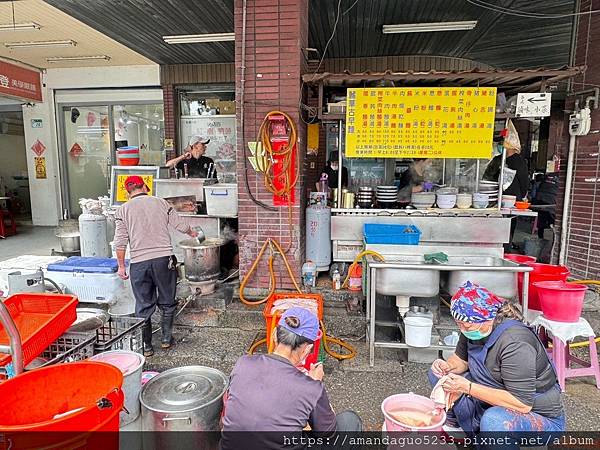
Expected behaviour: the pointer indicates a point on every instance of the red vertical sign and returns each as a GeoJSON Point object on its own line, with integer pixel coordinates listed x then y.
{"type": "Point", "coordinates": [280, 174]}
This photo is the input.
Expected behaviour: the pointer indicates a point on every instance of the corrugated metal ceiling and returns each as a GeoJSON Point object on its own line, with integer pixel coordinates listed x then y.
{"type": "Point", "coordinates": [140, 25]}
{"type": "Point", "coordinates": [499, 40]}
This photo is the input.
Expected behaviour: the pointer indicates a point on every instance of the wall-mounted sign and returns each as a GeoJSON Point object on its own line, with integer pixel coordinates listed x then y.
{"type": "Point", "coordinates": [420, 122]}
{"type": "Point", "coordinates": [16, 81]}
{"type": "Point", "coordinates": [37, 123]}
{"type": "Point", "coordinates": [534, 105]}
{"type": "Point", "coordinates": [40, 168]}
{"type": "Point", "coordinates": [118, 193]}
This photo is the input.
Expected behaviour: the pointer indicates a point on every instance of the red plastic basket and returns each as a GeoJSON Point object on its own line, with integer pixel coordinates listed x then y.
{"type": "Point", "coordinates": [40, 319]}
{"type": "Point", "coordinates": [273, 298]}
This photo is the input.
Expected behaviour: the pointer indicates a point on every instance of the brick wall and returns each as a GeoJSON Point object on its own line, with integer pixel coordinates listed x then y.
{"type": "Point", "coordinates": [583, 257]}
{"type": "Point", "coordinates": [276, 30]}
{"type": "Point", "coordinates": [170, 111]}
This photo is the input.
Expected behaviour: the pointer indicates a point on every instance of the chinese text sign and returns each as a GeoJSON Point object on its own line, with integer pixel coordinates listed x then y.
{"type": "Point", "coordinates": [420, 122]}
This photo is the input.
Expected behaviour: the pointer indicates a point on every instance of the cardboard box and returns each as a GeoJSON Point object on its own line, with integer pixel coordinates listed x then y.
{"type": "Point", "coordinates": [212, 102]}
{"type": "Point", "coordinates": [227, 107]}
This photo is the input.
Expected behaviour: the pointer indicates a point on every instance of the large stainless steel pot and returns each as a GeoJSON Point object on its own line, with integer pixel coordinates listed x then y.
{"type": "Point", "coordinates": [182, 399]}
{"type": "Point", "coordinates": [202, 260]}
{"type": "Point", "coordinates": [69, 241]}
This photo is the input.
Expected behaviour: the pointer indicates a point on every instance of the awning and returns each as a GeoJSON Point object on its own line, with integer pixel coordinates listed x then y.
{"type": "Point", "coordinates": [521, 79]}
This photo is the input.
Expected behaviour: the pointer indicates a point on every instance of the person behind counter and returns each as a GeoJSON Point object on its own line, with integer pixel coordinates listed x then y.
{"type": "Point", "coordinates": [500, 374]}
{"type": "Point", "coordinates": [198, 165]}
{"type": "Point", "coordinates": [143, 223]}
{"type": "Point", "coordinates": [269, 395]}
{"type": "Point", "coordinates": [331, 170]}
{"type": "Point", "coordinates": [412, 180]}
{"type": "Point", "coordinates": [517, 168]}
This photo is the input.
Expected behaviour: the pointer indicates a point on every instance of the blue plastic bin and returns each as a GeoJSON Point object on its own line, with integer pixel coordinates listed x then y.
{"type": "Point", "coordinates": [85, 264]}
{"type": "Point", "coordinates": [377, 233]}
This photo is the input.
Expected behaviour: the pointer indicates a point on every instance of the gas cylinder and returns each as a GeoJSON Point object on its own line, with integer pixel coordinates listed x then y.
{"type": "Point", "coordinates": [355, 280]}
{"type": "Point", "coordinates": [318, 236]}
{"type": "Point", "coordinates": [93, 230]}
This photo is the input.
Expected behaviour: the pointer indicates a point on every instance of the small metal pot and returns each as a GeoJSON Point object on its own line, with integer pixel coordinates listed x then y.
{"type": "Point", "coordinates": [69, 242]}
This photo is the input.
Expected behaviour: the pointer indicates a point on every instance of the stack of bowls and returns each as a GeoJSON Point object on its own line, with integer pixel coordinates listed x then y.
{"type": "Point", "coordinates": [490, 188]}
{"type": "Point", "coordinates": [481, 200]}
{"type": "Point", "coordinates": [446, 198]}
{"type": "Point", "coordinates": [423, 200]}
{"type": "Point", "coordinates": [387, 196]}
{"type": "Point", "coordinates": [365, 197]}
{"type": "Point", "coordinates": [464, 201]}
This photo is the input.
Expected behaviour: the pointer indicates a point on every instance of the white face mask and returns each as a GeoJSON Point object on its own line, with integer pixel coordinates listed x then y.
{"type": "Point", "coordinates": [334, 167]}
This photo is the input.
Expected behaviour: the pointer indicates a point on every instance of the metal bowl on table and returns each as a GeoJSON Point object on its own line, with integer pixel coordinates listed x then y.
{"type": "Point", "coordinates": [69, 241]}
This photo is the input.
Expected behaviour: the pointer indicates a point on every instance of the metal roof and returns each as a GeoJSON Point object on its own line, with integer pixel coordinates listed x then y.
{"type": "Point", "coordinates": [526, 79]}
{"type": "Point", "coordinates": [499, 40]}
{"type": "Point", "coordinates": [140, 25]}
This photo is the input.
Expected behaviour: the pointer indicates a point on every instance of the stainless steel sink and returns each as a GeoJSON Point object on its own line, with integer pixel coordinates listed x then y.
{"type": "Point", "coordinates": [408, 282]}
{"type": "Point", "coordinates": [503, 284]}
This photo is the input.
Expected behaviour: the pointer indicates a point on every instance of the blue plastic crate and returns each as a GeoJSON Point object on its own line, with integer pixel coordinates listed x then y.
{"type": "Point", "coordinates": [378, 233]}
{"type": "Point", "coordinates": [85, 264]}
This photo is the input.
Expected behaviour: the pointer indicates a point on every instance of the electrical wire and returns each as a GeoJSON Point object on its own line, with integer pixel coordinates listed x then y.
{"type": "Point", "coordinates": [527, 14]}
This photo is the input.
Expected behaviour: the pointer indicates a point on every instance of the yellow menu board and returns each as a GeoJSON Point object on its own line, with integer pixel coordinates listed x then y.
{"type": "Point", "coordinates": [122, 192]}
{"type": "Point", "coordinates": [420, 122]}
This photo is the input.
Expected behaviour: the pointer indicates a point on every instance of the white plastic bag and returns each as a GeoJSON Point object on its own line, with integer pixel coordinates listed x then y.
{"type": "Point", "coordinates": [512, 141]}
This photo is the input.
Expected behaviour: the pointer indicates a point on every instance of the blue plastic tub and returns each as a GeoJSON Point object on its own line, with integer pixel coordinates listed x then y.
{"type": "Point", "coordinates": [85, 264]}
{"type": "Point", "coordinates": [377, 233]}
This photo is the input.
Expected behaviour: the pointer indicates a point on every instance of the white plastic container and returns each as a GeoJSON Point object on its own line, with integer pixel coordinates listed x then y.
{"type": "Point", "coordinates": [309, 274]}
{"type": "Point", "coordinates": [417, 331]}
{"type": "Point", "coordinates": [451, 339]}
{"type": "Point", "coordinates": [221, 199]}
{"type": "Point", "coordinates": [131, 364]}
{"type": "Point", "coordinates": [89, 287]}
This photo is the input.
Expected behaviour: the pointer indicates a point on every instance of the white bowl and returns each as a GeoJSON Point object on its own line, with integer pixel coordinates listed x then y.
{"type": "Point", "coordinates": [464, 201]}
{"type": "Point", "coordinates": [446, 201]}
{"type": "Point", "coordinates": [508, 201]}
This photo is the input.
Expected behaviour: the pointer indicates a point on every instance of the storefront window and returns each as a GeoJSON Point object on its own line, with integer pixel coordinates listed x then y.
{"type": "Point", "coordinates": [88, 152]}
{"type": "Point", "coordinates": [141, 126]}
{"type": "Point", "coordinates": [210, 112]}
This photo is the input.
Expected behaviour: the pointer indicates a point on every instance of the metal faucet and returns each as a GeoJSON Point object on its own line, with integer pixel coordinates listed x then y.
{"type": "Point", "coordinates": [15, 348]}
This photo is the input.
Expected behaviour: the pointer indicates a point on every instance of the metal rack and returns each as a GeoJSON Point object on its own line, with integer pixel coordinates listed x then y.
{"type": "Point", "coordinates": [372, 266]}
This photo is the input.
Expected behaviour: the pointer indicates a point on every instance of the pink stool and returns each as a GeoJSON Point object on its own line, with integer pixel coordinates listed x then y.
{"type": "Point", "coordinates": [560, 353]}
{"type": "Point", "coordinates": [563, 359]}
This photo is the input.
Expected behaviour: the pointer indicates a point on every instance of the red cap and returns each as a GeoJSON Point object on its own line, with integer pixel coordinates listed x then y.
{"type": "Point", "coordinates": [133, 180]}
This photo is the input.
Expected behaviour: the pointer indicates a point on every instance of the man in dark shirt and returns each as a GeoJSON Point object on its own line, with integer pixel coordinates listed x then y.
{"type": "Point", "coordinates": [197, 165]}
{"type": "Point", "coordinates": [331, 169]}
{"type": "Point", "coordinates": [514, 161]}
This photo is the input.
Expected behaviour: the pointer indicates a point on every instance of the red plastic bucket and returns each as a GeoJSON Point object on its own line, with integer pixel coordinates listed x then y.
{"type": "Point", "coordinates": [561, 302]}
{"type": "Point", "coordinates": [543, 272]}
{"type": "Point", "coordinates": [128, 156]}
{"type": "Point", "coordinates": [519, 259]}
{"type": "Point", "coordinates": [90, 392]}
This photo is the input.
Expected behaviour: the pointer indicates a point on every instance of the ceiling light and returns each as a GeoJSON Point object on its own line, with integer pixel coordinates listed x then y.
{"type": "Point", "coordinates": [35, 44]}
{"type": "Point", "coordinates": [428, 27]}
{"type": "Point", "coordinates": [199, 38]}
{"type": "Point", "coordinates": [56, 59]}
{"type": "Point", "coordinates": [19, 26]}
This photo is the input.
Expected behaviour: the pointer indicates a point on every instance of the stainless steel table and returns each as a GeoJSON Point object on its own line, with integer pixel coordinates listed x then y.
{"type": "Point", "coordinates": [373, 265]}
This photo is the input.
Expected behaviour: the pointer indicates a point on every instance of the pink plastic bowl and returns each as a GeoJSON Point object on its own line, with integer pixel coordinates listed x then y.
{"type": "Point", "coordinates": [410, 402]}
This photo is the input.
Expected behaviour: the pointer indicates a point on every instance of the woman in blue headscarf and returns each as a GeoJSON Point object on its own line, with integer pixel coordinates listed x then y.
{"type": "Point", "coordinates": [499, 376]}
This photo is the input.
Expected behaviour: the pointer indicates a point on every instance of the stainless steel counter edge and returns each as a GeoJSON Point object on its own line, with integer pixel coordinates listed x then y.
{"type": "Point", "coordinates": [372, 263]}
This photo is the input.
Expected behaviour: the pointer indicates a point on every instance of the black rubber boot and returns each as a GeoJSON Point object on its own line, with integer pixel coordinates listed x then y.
{"type": "Point", "coordinates": [167, 330]}
{"type": "Point", "coordinates": [147, 338]}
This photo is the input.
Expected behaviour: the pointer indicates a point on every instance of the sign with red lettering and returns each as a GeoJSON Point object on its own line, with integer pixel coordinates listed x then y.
{"type": "Point", "coordinates": [16, 81]}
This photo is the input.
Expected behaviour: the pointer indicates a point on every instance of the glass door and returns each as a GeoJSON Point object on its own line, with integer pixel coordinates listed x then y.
{"type": "Point", "coordinates": [87, 154]}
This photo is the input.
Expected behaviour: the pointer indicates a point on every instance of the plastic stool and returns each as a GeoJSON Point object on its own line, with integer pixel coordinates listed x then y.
{"type": "Point", "coordinates": [563, 359]}
{"type": "Point", "coordinates": [562, 333]}
{"type": "Point", "coordinates": [12, 229]}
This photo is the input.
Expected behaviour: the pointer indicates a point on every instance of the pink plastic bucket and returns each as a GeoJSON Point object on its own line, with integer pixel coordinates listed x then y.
{"type": "Point", "coordinates": [561, 302]}
{"type": "Point", "coordinates": [410, 402]}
